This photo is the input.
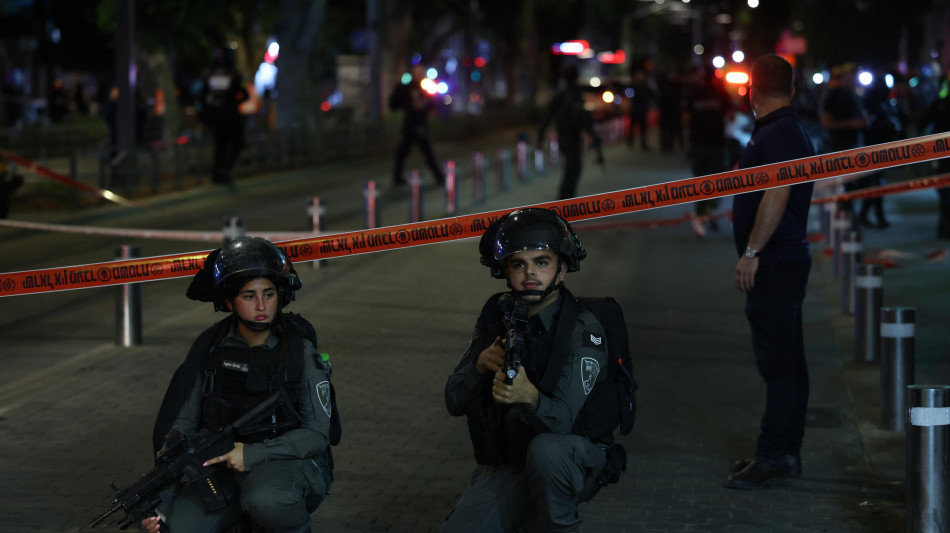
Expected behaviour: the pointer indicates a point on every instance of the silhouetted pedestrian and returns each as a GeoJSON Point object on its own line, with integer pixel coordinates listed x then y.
{"type": "Point", "coordinates": [939, 121]}
{"type": "Point", "coordinates": [415, 104]}
{"type": "Point", "coordinates": [572, 121]}
{"type": "Point", "coordinates": [669, 103]}
{"type": "Point", "coordinates": [883, 127]}
{"type": "Point", "coordinates": [707, 110]}
{"type": "Point", "coordinates": [843, 117]}
{"type": "Point", "coordinates": [221, 94]}
{"type": "Point", "coordinates": [639, 105]}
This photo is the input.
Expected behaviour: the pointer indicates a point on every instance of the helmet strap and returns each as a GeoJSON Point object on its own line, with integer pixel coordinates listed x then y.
{"type": "Point", "coordinates": [542, 293]}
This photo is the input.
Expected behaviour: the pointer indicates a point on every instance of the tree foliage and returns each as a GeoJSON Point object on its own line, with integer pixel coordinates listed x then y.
{"type": "Point", "coordinates": [191, 30]}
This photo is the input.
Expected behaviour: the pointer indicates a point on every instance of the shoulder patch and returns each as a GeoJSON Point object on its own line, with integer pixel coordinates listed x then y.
{"type": "Point", "coordinates": [590, 369]}
{"type": "Point", "coordinates": [323, 391]}
{"type": "Point", "coordinates": [593, 339]}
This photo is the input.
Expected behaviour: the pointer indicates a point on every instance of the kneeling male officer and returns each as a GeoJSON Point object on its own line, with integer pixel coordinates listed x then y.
{"type": "Point", "coordinates": [536, 465]}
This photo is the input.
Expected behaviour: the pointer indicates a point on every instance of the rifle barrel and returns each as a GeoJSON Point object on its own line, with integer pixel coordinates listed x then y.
{"type": "Point", "coordinates": [115, 507]}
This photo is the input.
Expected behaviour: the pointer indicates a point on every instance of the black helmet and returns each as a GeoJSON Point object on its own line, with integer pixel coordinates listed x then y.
{"type": "Point", "coordinates": [529, 229]}
{"type": "Point", "coordinates": [246, 257]}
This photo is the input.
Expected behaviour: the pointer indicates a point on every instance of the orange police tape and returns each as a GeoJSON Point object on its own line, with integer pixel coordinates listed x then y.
{"type": "Point", "coordinates": [170, 235]}
{"type": "Point", "coordinates": [930, 182]}
{"type": "Point", "coordinates": [467, 226]}
{"type": "Point", "coordinates": [66, 180]}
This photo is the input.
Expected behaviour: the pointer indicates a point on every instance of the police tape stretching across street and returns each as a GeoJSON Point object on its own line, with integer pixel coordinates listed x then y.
{"type": "Point", "coordinates": [280, 468]}
{"type": "Point", "coordinates": [543, 432]}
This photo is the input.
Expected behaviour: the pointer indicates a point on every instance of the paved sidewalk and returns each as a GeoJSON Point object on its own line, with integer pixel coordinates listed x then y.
{"type": "Point", "coordinates": [79, 414]}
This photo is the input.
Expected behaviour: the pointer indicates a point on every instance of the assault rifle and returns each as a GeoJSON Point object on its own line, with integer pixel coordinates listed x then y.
{"type": "Point", "coordinates": [181, 461]}
{"type": "Point", "coordinates": [515, 311]}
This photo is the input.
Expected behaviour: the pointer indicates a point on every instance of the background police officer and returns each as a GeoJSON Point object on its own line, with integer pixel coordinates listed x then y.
{"type": "Point", "coordinates": [221, 95]}
{"type": "Point", "coordinates": [535, 467]}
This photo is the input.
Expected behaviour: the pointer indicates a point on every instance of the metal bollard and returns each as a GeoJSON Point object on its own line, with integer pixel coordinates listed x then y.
{"type": "Point", "coordinates": [371, 217]}
{"type": "Point", "coordinates": [868, 298]}
{"type": "Point", "coordinates": [839, 226]}
{"type": "Point", "coordinates": [74, 174]}
{"type": "Point", "coordinates": [554, 150]}
{"type": "Point", "coordinates": [928, 418]}
{"type": "Point", "coordinates": [504, 169]}
{"type": "Point", "coordinates": [232, 228]}
{"type": "Point", "coordinates": [128, 304]}
{"type": "Point", "coordinates": [317, 223]}
{"type": "Point", "coordinates": [897, 364]}
{"type": "Point", "coordinates": [538, 161]}
{"type": "Point", "coordinates": [825, 216]}
{"type": "Point", "coordinates": [415, 196]}
{"type": "Point", "coordinates": [478, 176]}
{"type": "Point", "coordinates": [851, 248]}
{"type": "Point", "coordinates": [522, 161]}
{"type": "Point", "coordinates": [451, 188]}
{"type": "Point", "coordinates": [176, 165]}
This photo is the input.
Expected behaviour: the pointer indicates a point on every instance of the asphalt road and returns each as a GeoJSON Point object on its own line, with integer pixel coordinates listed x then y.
{"type": "Point", "coordinates": [76, 410]}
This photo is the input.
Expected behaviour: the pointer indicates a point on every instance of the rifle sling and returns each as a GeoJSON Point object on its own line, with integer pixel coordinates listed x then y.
{"type": "Point", "coordinates": [562, 341]}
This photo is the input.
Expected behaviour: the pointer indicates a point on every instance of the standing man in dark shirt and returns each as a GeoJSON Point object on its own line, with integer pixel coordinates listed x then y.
{"type": "Point", "coordinates": [416, 105]}
{"type": "Point", "coordinates": [769, 230]}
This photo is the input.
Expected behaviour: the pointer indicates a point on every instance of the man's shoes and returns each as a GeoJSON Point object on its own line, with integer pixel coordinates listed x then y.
{"type": "Point", "coordinates": [791, 466]}
{"type": "Point", "coordinates": [756, 475]}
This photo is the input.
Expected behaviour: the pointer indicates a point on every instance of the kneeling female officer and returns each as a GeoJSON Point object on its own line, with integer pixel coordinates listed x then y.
{"type": "Point", "coordinates": [280, 464]}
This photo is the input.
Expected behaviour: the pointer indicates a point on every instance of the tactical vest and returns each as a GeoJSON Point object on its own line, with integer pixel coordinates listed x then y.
{"type": "Point", "coordinates": [610, 404]}
{"type": "Point", "coordinates": [498, 437]}
{"type": "Point", "coordinates": [236, 379]}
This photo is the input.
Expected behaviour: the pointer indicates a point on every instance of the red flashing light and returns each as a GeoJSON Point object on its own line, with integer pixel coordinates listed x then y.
{"type": "Point", "coordinates": [480, 62]}
{"type": "Point", "coordinates": [325, 106]}
{"type": "Point", "coordinates": [612, 58]}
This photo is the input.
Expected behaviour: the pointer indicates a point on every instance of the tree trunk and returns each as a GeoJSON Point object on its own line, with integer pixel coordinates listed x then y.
{"type": "Point", "coordinates": [298, 101]}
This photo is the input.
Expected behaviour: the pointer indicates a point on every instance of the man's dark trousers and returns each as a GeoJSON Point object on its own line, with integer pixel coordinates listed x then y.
{"type": "Point", "coordinates": [410, 138]}
{"type": "Point", "coordinates": [774, 310]}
